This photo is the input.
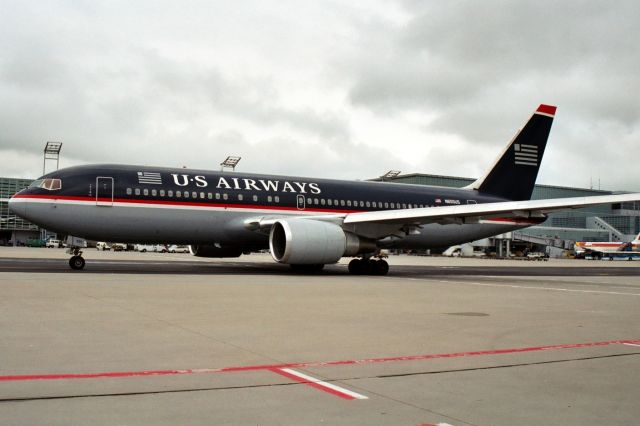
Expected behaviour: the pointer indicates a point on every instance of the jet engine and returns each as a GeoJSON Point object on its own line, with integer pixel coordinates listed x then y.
{"type": "Point", "coordinates": [312, 242]}
{"type": "Point", "coordinates": [214, 251]}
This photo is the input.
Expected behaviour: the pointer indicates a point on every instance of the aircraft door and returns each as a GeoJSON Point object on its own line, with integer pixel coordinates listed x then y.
{"type": "Point", "coordinates": [104, 191]}
{"type": "Point", "coordinates": [300, 202]}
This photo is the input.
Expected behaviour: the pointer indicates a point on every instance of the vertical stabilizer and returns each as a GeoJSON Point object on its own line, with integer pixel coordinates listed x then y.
{"type": "Point", "coordinates": [514, 174]}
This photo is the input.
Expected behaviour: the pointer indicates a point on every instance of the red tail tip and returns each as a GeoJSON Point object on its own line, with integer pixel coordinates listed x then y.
{"type": "Point", "coordinates": [547, 109]}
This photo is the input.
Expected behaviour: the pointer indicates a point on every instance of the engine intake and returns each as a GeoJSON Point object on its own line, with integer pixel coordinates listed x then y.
{"type": "Point", "coordinates": [312, 242]}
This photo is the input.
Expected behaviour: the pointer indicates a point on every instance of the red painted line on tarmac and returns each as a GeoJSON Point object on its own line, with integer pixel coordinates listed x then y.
{"type": "Point", "coordinates": [107, 375]}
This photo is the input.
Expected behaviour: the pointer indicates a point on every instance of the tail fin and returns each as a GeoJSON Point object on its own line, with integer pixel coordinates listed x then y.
{"type": "Point", "coordinates": [514, 174]}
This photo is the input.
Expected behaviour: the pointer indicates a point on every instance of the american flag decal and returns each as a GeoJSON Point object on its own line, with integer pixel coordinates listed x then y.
{"type": "Point", "coordinates": [526, 155]}
{"type": "Point", "coordinates": [149, 178]}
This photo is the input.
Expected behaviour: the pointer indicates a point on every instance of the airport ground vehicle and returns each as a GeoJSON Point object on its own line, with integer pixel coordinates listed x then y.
{"type": "Point", "coordinates": [143, 248]}
{"type": "Point", "coordinates": [102, 246]}
{"type": "Point", "coordinates": [178, 249]}
{"type": "Point", "coordinates": [35, 242]}
{"type": "Point", "coordinates": [52, 243]}
{"type": "Point", "coordinates": [305, 222]}
{"type": "Point", "coordinates": [118, 247]}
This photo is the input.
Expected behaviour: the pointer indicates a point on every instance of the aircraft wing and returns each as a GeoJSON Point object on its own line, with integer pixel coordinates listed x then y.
{"type": "Point", "coordinates": [471, 213]}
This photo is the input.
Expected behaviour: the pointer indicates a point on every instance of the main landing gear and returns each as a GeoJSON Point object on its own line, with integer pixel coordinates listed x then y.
{"type": "Point", "coordinates": [368, 266]}
{"type": "Point", "coordinates": [77, 261]}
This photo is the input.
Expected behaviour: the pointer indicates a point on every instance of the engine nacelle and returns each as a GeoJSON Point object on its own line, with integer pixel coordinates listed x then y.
{"type": "Point", "coordinates": [214, 251]}
{"type": "Point", "coordinates": [312, 242]}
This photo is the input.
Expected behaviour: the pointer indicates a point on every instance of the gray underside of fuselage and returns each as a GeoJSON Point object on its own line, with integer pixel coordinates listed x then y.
{"type": "Point", "coordinates": [198, 226]}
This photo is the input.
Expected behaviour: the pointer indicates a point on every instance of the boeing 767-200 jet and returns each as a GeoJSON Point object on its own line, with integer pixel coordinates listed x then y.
{"type": "Point", "coordinates": [305, 222]}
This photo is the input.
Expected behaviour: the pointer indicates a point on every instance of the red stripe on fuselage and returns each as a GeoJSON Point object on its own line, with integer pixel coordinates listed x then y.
{"type": "Point", "coordinates": [518, 221]}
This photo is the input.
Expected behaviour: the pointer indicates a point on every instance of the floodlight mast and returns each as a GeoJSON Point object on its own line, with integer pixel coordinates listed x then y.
{"type": "Point", "coordinates": [231, 162]}
{"type": "Point", "coordinates": [390, 175]}
{"type": "Point", "coordinates": [51, 152]}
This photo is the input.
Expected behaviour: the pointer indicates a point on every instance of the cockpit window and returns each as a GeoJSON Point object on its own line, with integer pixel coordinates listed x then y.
{"type": "Point", "coordinates": [48, 184]}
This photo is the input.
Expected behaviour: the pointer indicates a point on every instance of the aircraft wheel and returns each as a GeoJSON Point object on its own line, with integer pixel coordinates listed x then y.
{"type": "Point", "coordinates": [380, 267]}
{"type": "Point", "coordinates": [357, 267]}
{"type": "Point", "coordinates": [76, 262]}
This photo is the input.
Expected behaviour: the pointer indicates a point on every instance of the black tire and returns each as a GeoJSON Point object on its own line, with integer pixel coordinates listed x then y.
{"type": "Point", "coordinates": [380, 267]}
{"type": "Point", "coordinates": [76, 263]}
{"type": "Point", "coordinates": [143, 250]}
{"type": "Point", "coordinates": [356, 267]}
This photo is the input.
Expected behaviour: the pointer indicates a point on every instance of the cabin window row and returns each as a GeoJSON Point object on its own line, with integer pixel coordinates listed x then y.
{"type": "Point", "coordinates": [193, 195]}
{"type": "Point", "coordinates": [360, 203]}
{"type": "Point", "coordinates": [270, 199]}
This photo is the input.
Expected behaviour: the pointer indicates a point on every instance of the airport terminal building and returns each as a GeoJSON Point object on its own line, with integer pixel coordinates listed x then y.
{"type": "Point", "coordinates": [611, 222]}
{"type": "Point", "coordinates": [13, 229]}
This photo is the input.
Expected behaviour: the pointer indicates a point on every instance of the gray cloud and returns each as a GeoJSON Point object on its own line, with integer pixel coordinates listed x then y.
{"type": "Point", "coordinates": [284, 84]}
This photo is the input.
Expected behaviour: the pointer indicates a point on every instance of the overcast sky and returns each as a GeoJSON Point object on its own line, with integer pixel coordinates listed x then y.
{"type": "Point", "coordinates": [321, 88]}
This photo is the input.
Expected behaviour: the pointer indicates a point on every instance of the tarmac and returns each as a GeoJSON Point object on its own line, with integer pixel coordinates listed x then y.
{"type": "Point", "coordinates": [150, 338]}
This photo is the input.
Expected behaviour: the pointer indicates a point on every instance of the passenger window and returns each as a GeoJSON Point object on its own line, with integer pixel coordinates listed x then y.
{"type": "Point", "coordinates": [217, 196]}
{"type": "Point", "coordinates": [277, 199]}
{"type": "Point", "coordinates": [194, 194]}
{"type": "Point", "coordinates": [255, 198]}
{"type": "Point", "coordinates": [342, 203]}
{"type": "Point", "coordinates": [374, 204]}
{"type": "Point", "coordinates": [386, 205]}
{"type": "Point", "coordinates": [186, 194]}
{"type": "Point", "coordinates": [368, 204]}
{"type": "Point", "coordinates": [315, 201]}
{"type": "Point", "coordinates": [179, 194]}
{"type": "Point", "coordinates": [170, 193]}
{"type": "Point", "coordinates": [145, 191]}
{"type": "Point", "coordinates": [361, 203]}
{"type": "Point", "coordinates": [202, 195]}
{"type": "Point", "coordinates": [225, 196]}
{"type": "Point", "coordinates": [129, 191]}
{"type": "Point", "coordinates": [309, 201]}
{"type": "Point", "coordinates": [404, 206]}
{"type": "Point", "coordinates": [240, 197]}
{"type": "Point", "coordinates": [210, 196]}
{"type": "Point", "coordinates": [154, 192]}
{"type": "Point", "coordinates": [162, 192]}
{"type": "Point", "coordinates": [330, 202]}
{"type": "Point", "coordinates": [349, 203]}
{"type": "Point", "coordinates": [269, 198]}
{"type": "Point", "coordinates": [137, 191]}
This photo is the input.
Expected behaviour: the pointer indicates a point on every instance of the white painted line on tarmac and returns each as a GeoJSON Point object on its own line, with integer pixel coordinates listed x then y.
{"type": "Point", "coordinates": [631, 344]}
{"type": "Point", "coordinates": [319, 384]}
{"type": "Point", "coordinates": [568, 290]}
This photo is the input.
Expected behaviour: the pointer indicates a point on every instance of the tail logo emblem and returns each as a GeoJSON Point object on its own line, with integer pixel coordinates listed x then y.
{"type": "Point", "coordinates": [149, 178]}
{"type": "Point", "coordinates": [526, 155]}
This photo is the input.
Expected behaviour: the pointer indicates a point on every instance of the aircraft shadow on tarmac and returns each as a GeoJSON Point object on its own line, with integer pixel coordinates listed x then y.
{"type": "Point", "coordinates": [267, 268]}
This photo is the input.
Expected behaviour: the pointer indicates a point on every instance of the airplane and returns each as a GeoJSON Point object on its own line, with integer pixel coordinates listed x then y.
{"type": "Point", "coordinates": [304, 222]}
{"type": "Point", "coordinates": [600, 247]}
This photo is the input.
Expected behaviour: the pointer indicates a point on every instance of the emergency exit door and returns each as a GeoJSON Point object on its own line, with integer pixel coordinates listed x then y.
{"type": "Point", "coordinates": [104, 191]}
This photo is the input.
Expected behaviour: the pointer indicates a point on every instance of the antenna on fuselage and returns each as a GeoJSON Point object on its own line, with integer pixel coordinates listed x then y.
{"type": "Point", "coordinates": [231, 162]}
{"type": "Point", "coordinates": [51, 152]}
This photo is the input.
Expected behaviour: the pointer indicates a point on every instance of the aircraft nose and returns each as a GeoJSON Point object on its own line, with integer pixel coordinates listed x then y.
{"type": "Point", "coordinates": [17, 207]}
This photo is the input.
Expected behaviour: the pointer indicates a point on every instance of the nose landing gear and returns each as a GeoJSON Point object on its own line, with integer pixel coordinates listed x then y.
{"type": "Point", "coordinates": [77, 261]}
